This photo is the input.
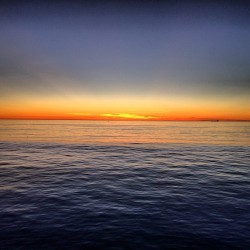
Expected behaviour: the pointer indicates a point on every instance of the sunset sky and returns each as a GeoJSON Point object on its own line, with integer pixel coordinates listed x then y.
{"type": "Point", "coordinates": [137, 60]}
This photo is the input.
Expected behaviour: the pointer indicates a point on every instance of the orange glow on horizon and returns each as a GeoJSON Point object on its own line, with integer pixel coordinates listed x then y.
{"type": "Point", "coordinates": [122, 117]}
{"type": "Point", "coordinates": [125, 108]}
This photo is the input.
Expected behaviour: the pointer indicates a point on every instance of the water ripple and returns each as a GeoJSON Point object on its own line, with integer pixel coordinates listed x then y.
{"type": "Point", "coordinates": [137, 196]}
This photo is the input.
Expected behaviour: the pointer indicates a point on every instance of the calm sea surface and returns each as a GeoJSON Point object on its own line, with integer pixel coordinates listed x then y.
{"type": "Point", "coordinates": [124, 185]}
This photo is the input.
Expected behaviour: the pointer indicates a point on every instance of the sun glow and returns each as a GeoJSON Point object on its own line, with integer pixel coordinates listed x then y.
{"type": "Point", "coordinates": [127, 116]}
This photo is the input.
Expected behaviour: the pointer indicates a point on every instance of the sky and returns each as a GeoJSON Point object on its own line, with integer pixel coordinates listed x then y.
{"type": "Point", "coordinates": [143, 60]}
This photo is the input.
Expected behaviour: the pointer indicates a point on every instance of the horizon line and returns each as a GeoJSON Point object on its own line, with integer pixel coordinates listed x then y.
{"type": "Point", "coordinates": [150, 120]}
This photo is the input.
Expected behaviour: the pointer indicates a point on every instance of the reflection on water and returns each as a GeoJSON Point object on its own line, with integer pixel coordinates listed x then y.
{"type": "Point", "coordinates": [124, 185]}
{"type": "Point", "coordinates": [230, 133]}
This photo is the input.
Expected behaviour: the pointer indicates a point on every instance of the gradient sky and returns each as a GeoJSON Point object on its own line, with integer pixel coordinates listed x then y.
{"type": "Point", "coordinates": [143, 60]}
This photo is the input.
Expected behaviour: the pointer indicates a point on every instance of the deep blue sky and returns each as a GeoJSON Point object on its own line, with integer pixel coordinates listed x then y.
{"type": "Point", "coordinates": [147, 48]}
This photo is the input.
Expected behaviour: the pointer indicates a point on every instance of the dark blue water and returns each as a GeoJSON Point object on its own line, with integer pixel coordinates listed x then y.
{"type": "Point", "coordinates": [124, 185]}
{"type": "Point", "coordinates": [124, 196]}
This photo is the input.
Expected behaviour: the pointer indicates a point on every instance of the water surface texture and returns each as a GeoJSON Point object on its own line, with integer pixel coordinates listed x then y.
{"type": "Point", "coordinates": [124, 185]}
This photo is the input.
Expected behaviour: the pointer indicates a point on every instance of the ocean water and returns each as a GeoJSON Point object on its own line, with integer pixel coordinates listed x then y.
{"type": "Point", "coordinates": [124, 185]}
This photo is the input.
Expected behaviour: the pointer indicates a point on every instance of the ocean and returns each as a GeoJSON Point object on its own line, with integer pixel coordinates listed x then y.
{"type": "Point", "coordinates": [124, 185]}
